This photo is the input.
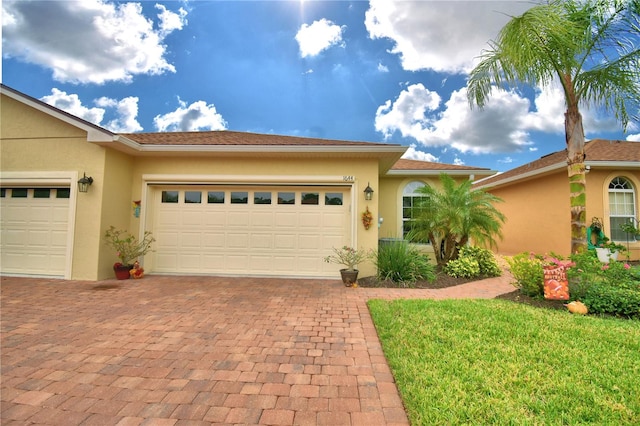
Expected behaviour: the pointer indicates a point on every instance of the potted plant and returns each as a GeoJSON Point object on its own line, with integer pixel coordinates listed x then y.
{"type": "Point", "coordinates": [350, 258]}
{"type": "Point", "coordinates": [608, 250]}
{"type": "Point", "coordinates": [128, 248]}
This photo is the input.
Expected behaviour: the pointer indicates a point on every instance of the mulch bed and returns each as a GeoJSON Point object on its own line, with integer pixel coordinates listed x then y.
{"type": "Point", "coordinates": [443, 281]}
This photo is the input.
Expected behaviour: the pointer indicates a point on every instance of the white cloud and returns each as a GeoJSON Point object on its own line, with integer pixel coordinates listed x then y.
{"type": "Point", "coordinates": [109, 42]}
{"type": "Point", "coordinates": [320, 35]}
{"type": "Point", "coordinates": [170, 21]}
{"type": "Point", "coordinates": [458, 161]}
{"type": "Point", "coordinates": [125, 110]}
{"type": "Point", "coordinates": [71, 103]}
{"type": "Point", "coordinates": [197, 116]}
{"type": "Point", "coordinates": [443, 36]}
{"type": "Point", "coordinates": [417, 113]}
{"type": "Point", "coordinates": [382, 68]}
{"type": "Point", "coordinates": [412, 153]}
{"type": "Point", "coordinates": [634, 138]}
{"type": "Point", "coordinates": [126, 113]}
{"type": "Point", "coordinates": [408, 113]}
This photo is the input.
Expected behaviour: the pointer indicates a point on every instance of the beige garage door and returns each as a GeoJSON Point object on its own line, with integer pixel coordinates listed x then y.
{"type": "Point", "coordinates": [33, 230]}
{"type": "Point", "coordinates": [249, 230]}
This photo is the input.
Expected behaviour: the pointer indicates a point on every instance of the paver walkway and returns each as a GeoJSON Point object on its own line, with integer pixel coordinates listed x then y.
{"type": "Point", "coordinates": [199, 350]}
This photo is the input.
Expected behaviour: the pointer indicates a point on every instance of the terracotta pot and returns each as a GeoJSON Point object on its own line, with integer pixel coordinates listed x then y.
{"type": "Point", "coordinates": [122, 271]}
{"type": "Point", "coordinates": [349, 277]}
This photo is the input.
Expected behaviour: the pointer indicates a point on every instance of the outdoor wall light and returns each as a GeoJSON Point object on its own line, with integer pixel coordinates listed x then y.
{"type": "Point", "coordinates": [368, 193]}
{"type": "Point", "coordinates": [84, 182]}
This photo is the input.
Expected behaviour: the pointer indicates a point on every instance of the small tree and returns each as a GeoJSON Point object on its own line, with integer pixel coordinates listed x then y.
{"type": "Point", "coordinates": [451, 216]}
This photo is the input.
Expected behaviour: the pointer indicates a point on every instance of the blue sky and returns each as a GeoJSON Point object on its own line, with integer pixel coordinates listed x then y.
{"type": "Point", "coordinates": [376, 71]}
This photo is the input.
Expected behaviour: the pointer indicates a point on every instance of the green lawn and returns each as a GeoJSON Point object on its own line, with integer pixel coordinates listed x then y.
{"type": "Point", "coordinates": [496, 362]}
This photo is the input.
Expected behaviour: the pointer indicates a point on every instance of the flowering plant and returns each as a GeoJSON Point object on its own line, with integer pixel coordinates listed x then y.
{"type": "Point", "coordinates": [367, 218]}
{"type": "Point", "coordinates": [346, 256]}
{"type": "Point", "coordinates": [128, 248]}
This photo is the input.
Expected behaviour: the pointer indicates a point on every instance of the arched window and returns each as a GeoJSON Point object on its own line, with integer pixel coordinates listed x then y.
{"type": "Point", "coordinates": [622, 206]}
{"type": "Point", "coordinates": [409, 201]}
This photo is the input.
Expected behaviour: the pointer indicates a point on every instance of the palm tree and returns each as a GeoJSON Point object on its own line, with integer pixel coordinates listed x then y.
{"type": "Point", "coordinates": [450, 217]}
{"type": "Point", "coordinates": [591, 47]}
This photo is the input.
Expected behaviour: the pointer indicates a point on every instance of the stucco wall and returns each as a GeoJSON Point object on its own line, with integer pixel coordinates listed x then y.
{"type": "Point", "coordinates": [538, 211]}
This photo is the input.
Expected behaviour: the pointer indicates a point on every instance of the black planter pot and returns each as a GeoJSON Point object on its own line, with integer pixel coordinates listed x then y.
{"type": "Point", "coordinates": [349, 277]}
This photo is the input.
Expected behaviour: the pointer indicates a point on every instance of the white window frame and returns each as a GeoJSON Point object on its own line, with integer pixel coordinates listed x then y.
{"type": "Point", "coordinates": [409, 192]}
{"type": "Point", "coordinates": [620, 185]}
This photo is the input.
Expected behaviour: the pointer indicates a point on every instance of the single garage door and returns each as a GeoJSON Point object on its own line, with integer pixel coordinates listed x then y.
{"type": "Point", "coordinates": [33, 230]}
{"type": "Point", "coordinates": [249, 230]}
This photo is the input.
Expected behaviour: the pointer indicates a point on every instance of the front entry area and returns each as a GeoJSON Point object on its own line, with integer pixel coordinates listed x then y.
{"type": "Point", "coordinates": [258, 230]}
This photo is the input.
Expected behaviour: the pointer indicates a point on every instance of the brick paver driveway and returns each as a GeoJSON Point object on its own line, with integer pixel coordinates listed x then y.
{"type": "Point", "coordinates": [198, 350]}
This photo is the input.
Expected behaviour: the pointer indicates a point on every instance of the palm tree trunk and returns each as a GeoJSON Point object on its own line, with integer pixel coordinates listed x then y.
{"type": "Point", "coordinates": [574, 134]}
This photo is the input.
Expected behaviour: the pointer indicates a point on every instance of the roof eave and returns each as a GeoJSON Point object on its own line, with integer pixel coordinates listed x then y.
{"type": "Point", "coordinates": [454, 172]}
{"type": "Point", "coordinates": [522, 176]}
{"type": "Point", "coordinates": [387, 154]}
{"type": "Point", "coordinates": [94, 133]}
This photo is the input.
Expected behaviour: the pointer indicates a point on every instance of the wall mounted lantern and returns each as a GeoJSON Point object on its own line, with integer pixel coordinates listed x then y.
{"type": "Point", "coordinates": [368, 193]}
{"type": "Point", "coordinates": [84, 182]}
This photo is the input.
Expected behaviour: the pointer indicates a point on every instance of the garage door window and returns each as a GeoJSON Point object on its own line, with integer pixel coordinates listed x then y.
{"type": "Point", "coordinates": [286, 197]}
{"type": "Point", "coordinates": [333, 199]}
{"type": "Point", "coordinates": [19, 193]}
{"type": "Point", "coordinates": [215, 197]}
{"type": "Point", "coordinates": [63, 193]}
{"type": "Point", "coordinates": [193, 197]}
{"type": "Point", "coordinates": [311, 198]}
{"type": "Point", "coordinates": [169, 196]}
{"type": "Point", "coordinates": [239, 198]}
{"type": "Point", "coordinates": [262, 198]}
{"type": "Point", "coordinates": [42, 193]}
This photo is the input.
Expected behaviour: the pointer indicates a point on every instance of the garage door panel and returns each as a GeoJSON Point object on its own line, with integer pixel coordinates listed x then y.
{"type": "Point", "coordinates": [286, 220]}
{"type": "Point", "coordinates": [333, 220]}
{"type": "Point", "coordinates": [309, 242]}
{"type": "Point", "coordinates": [286, 241]}
{"type": "Point", "coordinates": [213, 240]}
{"type": "Point", "coordinates": [238, 218]}
{"type": "Point", "coordinates": [310, 220]}
{"type": "Point", "coordinates": [168, 217]}
{"type": "Point", "coordinates": [261, 241]}
{"type": "Point", "coordinates": [215, 218]}
{"type": "Point", "coordinates": [190, 262]}
{"type": "Point", "coordinates": [192, 218]}
{"type": "Point", "coordinates": [33, 234]}
{"type": "Point", "coordinates": [262, 219]}
{"type": "Point", "coordinates": [38, 239]}
{"type": "Point", "coordinates": [246, 239]}
{"type": "Point", "coordinates": [238, 241]}
{"type": "Point", "coordinates": [238, 262]}
{"type": "Point", "coordinates": [166, 240]}
{"type": "Point", "coordinates": [190, 240]}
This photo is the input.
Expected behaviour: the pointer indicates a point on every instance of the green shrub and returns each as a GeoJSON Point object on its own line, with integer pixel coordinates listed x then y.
{"type": "Point", "coordinates": [403, 264]}
{"type": "Point", "coordinates": [528, 273]}
{"type": "Point", "coordinates": [602, 298]}
{"type": "Point", "coordinates": [462, 267]}
{"type": "Point", "coordinates": [612, 289]}
{"type": "Point", "coordinates": [486, 261]}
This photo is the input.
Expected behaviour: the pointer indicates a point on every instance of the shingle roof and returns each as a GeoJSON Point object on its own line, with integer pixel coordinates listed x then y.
{"type": "Point", "coordinates": [597, 150]}
{"type": "Point", "coordinates": [404, 164]}
{"type": "Point", "coordinates": [227, 137]}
